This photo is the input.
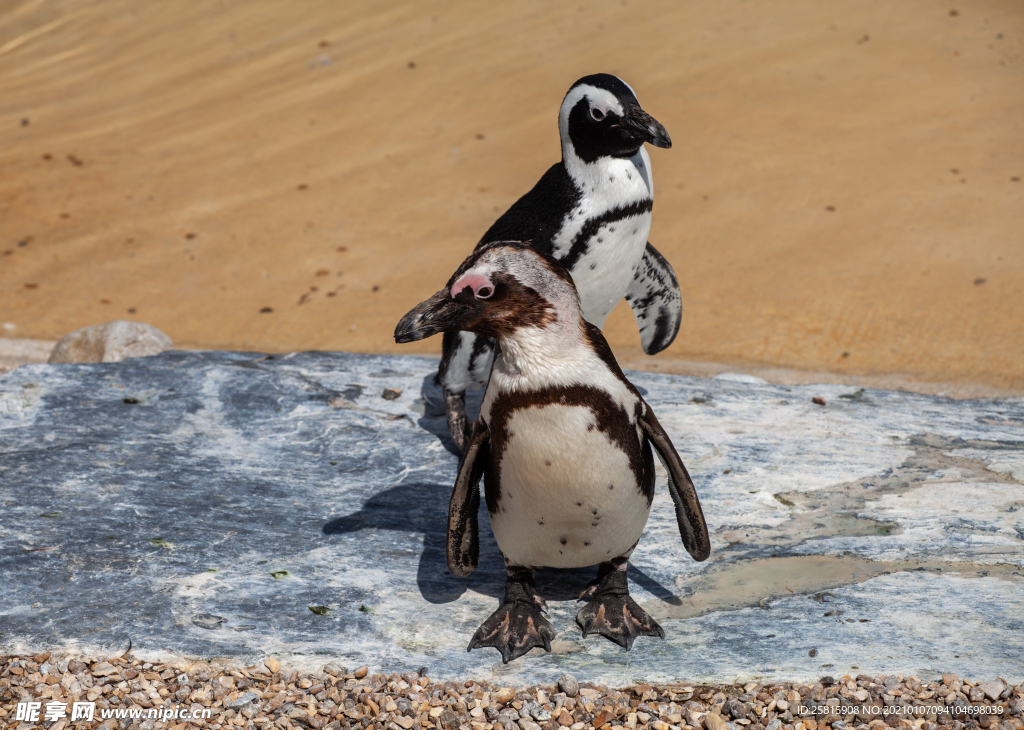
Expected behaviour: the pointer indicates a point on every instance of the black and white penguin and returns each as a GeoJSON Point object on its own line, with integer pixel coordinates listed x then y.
{"type": "Point", "coordinates": [591, 212]}
{"type": "Point", "coordinates": [563, 443]}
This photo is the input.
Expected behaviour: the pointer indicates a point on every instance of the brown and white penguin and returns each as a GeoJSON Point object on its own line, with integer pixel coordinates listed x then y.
{"type": "Point", "coordinates": [563, 443]}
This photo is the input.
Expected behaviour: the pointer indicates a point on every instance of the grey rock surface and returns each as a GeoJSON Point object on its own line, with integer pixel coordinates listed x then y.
{"type": "Point", "coordinates": [110, 342]}
{"type": "Point", "coordinates": [201, 504]}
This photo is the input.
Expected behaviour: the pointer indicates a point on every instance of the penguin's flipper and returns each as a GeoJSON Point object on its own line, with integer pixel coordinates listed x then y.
{"type": "Point", "coordinates": [657, 304]}
{"type": "Point", "coordinates": [463, 530]}
{"type": "Point", "coordinates": [692, 527]}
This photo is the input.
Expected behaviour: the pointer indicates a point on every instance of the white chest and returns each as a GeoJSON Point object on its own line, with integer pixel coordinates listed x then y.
{"type": "Point", "coordinates": [603, 274]}
{"type": "Point", "coordinates": [603, 239]}
{"type": "Point", "coordinates": [569, 497]}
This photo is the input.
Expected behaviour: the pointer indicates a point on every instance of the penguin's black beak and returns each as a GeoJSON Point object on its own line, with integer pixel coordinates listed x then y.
{"type": "Point", "coordinates": [644, 127]}
{"type": "Point", "coordinates": [438, 314]}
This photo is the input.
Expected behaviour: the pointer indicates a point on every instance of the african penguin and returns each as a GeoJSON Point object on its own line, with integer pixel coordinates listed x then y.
{"type": "Point", "coordinates": [563, 443]}
{"type": "Point", "coordinates": [592, 213]}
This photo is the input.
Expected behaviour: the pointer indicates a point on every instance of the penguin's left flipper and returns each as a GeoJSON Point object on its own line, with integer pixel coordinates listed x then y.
{"type": "Point", "coordinates": [463, 529]}
{"type": "Point", "coordinates": [692, 527]}
{"type": "Point", "coordinates": [656, 301]}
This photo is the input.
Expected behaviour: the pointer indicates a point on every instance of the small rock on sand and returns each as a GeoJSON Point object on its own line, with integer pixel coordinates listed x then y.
{"type": "Point", "coordinates": [110, 342]}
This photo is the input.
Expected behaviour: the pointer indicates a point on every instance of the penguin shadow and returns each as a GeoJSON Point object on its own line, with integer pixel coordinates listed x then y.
{"type": "Point", "coordinates": [423, 508]}
{"type": "Point", "coordinates": [433, 419]}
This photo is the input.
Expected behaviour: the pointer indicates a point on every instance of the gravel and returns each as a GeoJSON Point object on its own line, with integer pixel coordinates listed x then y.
{"type": "Point", "coordinates": [271, 697]}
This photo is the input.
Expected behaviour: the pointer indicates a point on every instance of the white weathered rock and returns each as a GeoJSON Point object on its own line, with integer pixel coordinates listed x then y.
{"type": "Point", "coordinates": [227, 484]}
{"type": "Point", "coordinates": [110, 342]}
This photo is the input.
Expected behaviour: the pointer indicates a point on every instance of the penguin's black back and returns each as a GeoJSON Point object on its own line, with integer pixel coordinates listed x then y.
{"type": "Point", "coordinates": [538, 216]}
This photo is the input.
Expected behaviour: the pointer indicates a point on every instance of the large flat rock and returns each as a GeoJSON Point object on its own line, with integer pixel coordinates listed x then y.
{"type": "Point", "coordinates": [200, 503]}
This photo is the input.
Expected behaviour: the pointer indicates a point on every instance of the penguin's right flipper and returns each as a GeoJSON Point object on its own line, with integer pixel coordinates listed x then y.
{"type": "Point", "coordinates": [463, 530]}
{"type": "Point", "coordinates": [690, 517]}
{"type": "Point", "coordinates": [656, 301]}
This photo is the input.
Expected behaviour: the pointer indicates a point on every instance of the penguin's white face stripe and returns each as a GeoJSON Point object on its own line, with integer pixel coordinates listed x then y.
{"type": "Point", "coordinates": [600, 99]}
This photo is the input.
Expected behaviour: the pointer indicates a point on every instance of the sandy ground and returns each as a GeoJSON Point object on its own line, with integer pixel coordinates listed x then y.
{"type": "Point", "coordinates": [843, 197]}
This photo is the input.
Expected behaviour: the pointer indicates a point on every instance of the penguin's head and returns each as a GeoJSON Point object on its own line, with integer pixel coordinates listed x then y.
{"type": "Point", "coordinates": [501, 288]}
{"type": "Point", "coordinates": [600, 117]}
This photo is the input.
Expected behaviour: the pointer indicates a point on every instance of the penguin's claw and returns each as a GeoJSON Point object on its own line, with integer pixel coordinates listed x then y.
{"type": "Point", "coordinates": [513, 630]}
{"type": "Point", "coordinates": [612, 612]}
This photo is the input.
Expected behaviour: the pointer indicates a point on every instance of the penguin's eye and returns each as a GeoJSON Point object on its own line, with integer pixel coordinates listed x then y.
{"type": "Point", "coordinates": [484, 292]}
{"type": "Point", "coordinates": [597, 114]}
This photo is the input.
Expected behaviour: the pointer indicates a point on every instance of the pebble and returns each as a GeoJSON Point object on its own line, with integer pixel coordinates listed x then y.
{"type": "Point", "coordinates": [449, 720]}
{"type": "Point", "coordinates": [259, 697]}
{"type": "Point", "coordinates": [992, 690]}
{"type": "Point", "coordinates": [568, 685]}
{"type": "Point", "coordinates": [241, 701]}
{"type": "Point", "coordinates": [540, 714]}
{"type": "Point", "coordinates": [105, 669]}
{"type": "Point", "coordinates": [503, 696]}
{"type": "Point", "coordinates": [715, 722]}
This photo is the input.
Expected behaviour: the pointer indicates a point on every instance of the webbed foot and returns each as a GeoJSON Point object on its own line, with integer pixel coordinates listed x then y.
{"type": "Point", "coordinates": [517, 626]}
{"type": "Point", "coordinates": [610, 610]}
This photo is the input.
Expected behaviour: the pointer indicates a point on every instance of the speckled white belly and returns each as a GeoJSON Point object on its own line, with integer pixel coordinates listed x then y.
{"type": "Point", "coordinates": [568, 496]}
{"type": "Point", "coordinates": [604, 273]}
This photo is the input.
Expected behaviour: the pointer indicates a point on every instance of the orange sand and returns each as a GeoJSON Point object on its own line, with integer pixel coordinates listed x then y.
{"type": "Point", "coordinates": [844, 194]}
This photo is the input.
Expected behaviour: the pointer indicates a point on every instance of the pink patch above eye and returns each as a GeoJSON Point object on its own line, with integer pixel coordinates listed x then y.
{"type": "Point", "coordinates": [476, 282]}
